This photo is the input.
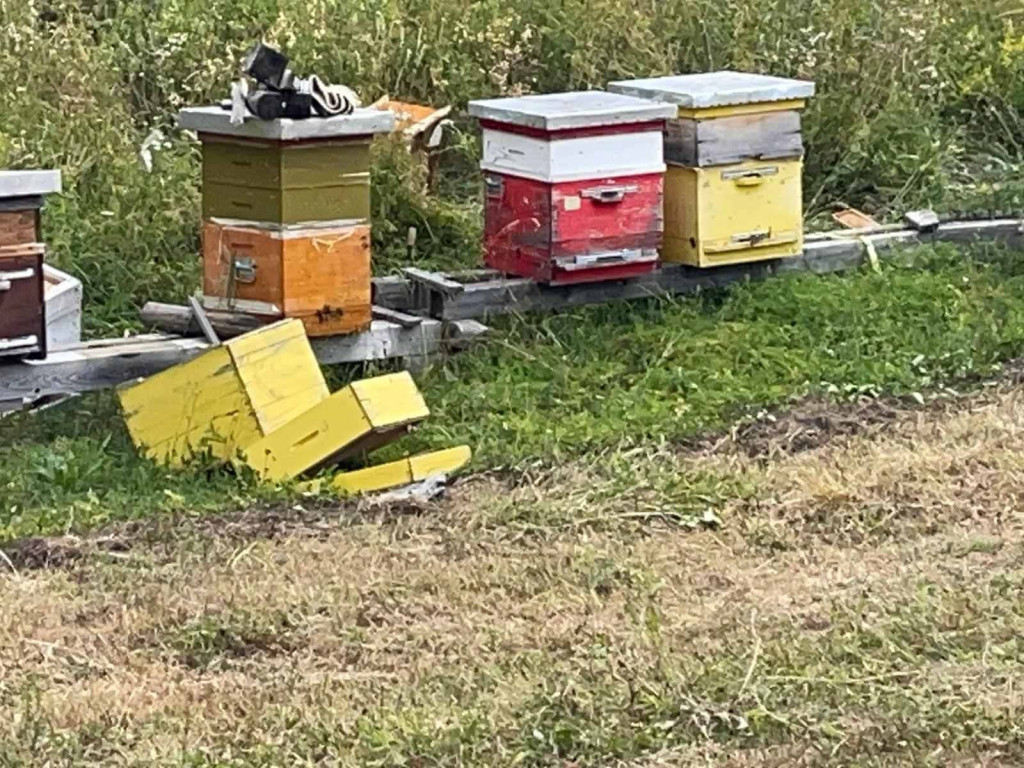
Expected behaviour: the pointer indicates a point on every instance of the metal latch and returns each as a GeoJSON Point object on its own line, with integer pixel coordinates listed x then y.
{"type": "Point", "coordinates": [6, 278]}
{"type": "Point", "coordinates": [494, 185]}
{"type": "Point", "coordinates": [244, 269]}
{"type": "Point", "coordinates": [608, 194]}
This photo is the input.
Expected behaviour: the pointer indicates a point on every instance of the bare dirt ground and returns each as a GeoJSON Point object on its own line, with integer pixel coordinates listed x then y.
{"type": "Point", "coordinates": [861, 602]}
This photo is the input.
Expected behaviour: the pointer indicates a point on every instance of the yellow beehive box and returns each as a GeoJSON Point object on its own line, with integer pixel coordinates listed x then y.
{"type": "Point", "coordinates": [357, 419]}
{"type": "Point", "coordinates": [260, 400]}
{"type": "Point", "coordinates": [732, 214]}
{"type": "Point", "coordinates": [227, 398]}
{"type": "Point", "coordinates": [735, 155]}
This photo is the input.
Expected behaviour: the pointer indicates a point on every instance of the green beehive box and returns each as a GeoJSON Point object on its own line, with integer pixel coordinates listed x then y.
{"type": "Point", "coordinates": [286, 172]}
{"type": "Point", "coordinates": [286, 183]}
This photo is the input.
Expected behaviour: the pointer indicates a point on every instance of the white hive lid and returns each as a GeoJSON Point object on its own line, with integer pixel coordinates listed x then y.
{"type": "Point", "coordinates": [563, 111]}
{"type": "Point", "coordinates": [715, 89]}
{"type": "Point", "coordinates": [218, 120]}
{"type": "Point", "coordinates": [29, 183]}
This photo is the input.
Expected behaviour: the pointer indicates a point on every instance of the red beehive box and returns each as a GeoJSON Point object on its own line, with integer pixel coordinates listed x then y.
{"type": "Point", "coordinates": [573, 185]}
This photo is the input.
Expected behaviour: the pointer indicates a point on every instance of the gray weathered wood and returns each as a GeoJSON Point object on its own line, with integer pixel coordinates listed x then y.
{"type": "Point", "coordinates": [435, 280]}
{"type": "Point", "coordinates": [387, 340]}
{"type": "Point", "coordinates": [204, 322]}
{"type": "Point", "coordinates": [110, 362]}
{"type": "Point", "coordinates": [94, 366]}
{"type": "Point", "coordinates": [174, 318]}
{"type": "Point", "coordinates": [394, 292]}
{"type": "Point", "coordinates": [822, 254]}
{"type": "Point", "coordinates": [396, 316]}
{"type": "Point", "coordinates": [725, 140]}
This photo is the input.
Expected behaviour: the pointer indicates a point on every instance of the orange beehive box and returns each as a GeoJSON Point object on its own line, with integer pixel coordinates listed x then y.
{"type": "Point", "coordinates": [318, 275]}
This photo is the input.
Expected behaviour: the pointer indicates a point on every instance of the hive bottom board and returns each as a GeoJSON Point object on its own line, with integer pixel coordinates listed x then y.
{"type": "Point", "coordinates": [537, 263]}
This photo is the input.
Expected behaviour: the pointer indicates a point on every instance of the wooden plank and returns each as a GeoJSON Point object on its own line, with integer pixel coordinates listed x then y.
{"type": "Point", "coordinates": [203, 320]}
{"type": "Point", "coordinates": [94, 366]}
{"type": "Point", "coordinates": [822, 254]}
{"type": "Point", "coordinates": [387, 340]}
{"type": "Point", "coordinates": [176, 319]}
{"type": "Point", "coordinates": [396, 316]}
{"type": "Point", "coordinates": [435, 280]}
{"type": "Point", "coordinates": [110, 362]}
{"type": "Point", "coordinates": [394, 292]}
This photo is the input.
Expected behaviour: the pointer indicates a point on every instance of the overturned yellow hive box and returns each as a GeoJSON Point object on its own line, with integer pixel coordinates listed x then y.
{"type": "Point", "coordinates": [261, 400]}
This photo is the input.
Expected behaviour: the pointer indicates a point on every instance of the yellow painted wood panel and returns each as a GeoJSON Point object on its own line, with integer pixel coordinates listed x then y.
{"type": "Point", "coordinates": [361, 417]}
{"type": "Point", "coordinates": [428, 464]}
{"type": "Point", "coordinates": [735, 213]}
{"type": "Point", "coordinates": [710, 113]}
{"type": "Point", "coordinates": [398, 473]}
{"type": "Point", "coordinates": [189, 409]}
{"type": "Point", "coordinates": [310, 439]}
{"type": "Point", "coordinates": [390, 401]}
{"type": "Point", "coordinates": [279, 371]}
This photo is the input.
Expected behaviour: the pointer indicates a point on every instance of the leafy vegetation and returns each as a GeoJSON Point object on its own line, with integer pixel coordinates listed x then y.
{"type": "Point", "coordinates": [918, 103]}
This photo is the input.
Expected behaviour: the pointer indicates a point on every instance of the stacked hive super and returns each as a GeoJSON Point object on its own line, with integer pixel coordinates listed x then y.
{"type": "Point", "coordinates": [573, 185]}
{"type": "Point", "coordinates": [286, 207]}
{"type": "Point", "coordinates": [735, 158]}
{"type": "Point", "coordinates": [22, 283]}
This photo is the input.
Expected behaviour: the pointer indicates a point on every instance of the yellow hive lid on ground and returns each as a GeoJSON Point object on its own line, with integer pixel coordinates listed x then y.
{"type": "Point", "coordinates": [718, 90]}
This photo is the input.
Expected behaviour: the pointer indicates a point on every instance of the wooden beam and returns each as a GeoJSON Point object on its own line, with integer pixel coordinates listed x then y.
{"type": "Point", "coordinates": [396, 316]}
{"type": "Point", "coordinates": [174, 318]}
{"type": "Point", "coordinates": [94, 365]}
{"type": "Point", "coordinates": [833, 252]}
{"type": "Point", "coordinates": [110, 362]}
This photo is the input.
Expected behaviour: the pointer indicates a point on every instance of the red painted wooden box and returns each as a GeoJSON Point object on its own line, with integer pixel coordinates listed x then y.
{"type": "Point", "coordinates": [573, 185]}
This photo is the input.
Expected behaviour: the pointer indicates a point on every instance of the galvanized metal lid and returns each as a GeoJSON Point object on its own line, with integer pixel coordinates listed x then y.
{"type": "Point", "coordinates": [29, 183]}
{"type": "Point", "coordinates": [217, 120]}
{"type": "Point", "coordinates": [715, 89]}
{"type": "Point", "coordinates": [562, 111]}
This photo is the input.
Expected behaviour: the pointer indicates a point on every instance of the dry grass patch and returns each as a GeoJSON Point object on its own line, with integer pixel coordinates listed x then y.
{"type": "Point", "coordinates": [562, 621]}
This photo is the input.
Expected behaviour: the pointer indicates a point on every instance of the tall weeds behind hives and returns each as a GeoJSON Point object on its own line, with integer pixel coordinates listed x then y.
{"type": "Point", "coordinates": [918, 101]}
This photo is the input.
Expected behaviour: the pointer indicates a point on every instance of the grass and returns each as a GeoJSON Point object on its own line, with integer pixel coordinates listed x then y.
{"type": "Point", "coordinates": [461, 638]}
{"type": "Point", "coordinates": [618, 594]}
{"type": "Point", "coordinates": [594, 384]}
